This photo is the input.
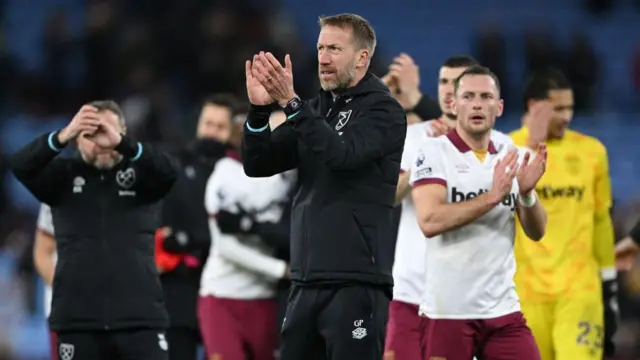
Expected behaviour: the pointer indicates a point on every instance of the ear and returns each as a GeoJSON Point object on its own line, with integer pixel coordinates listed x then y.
{"type": "Point", "coordinates": [500, 107]}
{"type": "Point", "coordinates": [363, 58]}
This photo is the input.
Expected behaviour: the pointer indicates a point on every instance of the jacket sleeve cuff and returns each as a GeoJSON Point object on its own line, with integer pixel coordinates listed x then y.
{"type": "Point", "coordinates": [258, 118]}
{"type": "Point", "coordinates": [54, 143]}
{"type": "Point", "coordinates": [129, 148]}
{"type": "Point", "coordinates": [427, 108]}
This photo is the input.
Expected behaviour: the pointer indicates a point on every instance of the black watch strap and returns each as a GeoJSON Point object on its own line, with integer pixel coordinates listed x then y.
{"type": "Point", "coordinates": [293, 106]}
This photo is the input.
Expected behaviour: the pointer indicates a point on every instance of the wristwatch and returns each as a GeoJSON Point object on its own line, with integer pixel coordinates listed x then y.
{"type": "Point", "coordinates": [293, 106]}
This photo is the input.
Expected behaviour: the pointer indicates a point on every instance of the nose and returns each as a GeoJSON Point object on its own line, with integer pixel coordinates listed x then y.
{"type": "Point", "coordinates": [324, 58]}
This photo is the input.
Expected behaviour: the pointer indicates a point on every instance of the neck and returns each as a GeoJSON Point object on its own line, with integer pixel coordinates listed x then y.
{"type": "Point", "coordinates": [476, 142]}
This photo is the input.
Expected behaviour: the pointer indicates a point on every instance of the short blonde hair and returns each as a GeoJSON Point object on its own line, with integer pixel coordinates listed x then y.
{"type": "Point", "coordinates": [363, 33]}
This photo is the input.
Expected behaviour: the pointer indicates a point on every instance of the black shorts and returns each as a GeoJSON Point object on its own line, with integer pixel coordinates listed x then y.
{"type": "Point", "coordinates": [335, 323]}
{"type": "Point", "coordinates": [140, 344]}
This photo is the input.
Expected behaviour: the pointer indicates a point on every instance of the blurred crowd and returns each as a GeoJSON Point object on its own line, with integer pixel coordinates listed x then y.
{"type": "Point", "coordinates": [160, 58]}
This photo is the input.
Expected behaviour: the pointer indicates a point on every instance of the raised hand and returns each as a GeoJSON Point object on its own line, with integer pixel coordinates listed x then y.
{"type": "Point", "coordinates": [274, 78]}
{"type": "Point", "coordinates": [537, 121]}
{"type": "Point", "coordinates": [406, 74]}
{"type": "Point", "coordinates": [503, 174]}
{"type": "Point", "coordinates": [86, 121]}
{"type": "Point", "coordinates": [257, 94]}
{"type": "Point", "coordinates": [107, 135]}
{"type": "Point", "coordinates": [530, 172]}
{"type": "Point", "coordinates": [626, 254]}
{"type": "Point", "coordinates": [438, 128]}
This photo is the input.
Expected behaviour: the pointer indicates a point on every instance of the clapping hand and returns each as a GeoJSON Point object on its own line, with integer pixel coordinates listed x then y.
{"type": "Point", "coordinates": [276, 80]}
{"type": "Point", "coordinates": [530, 172]}
{"type": "Point", "coordinates": [503, 174]}
{"type": "Point", "coordinates": [406, 74]}
{"type": "Point", "coordinates": [403, 80]}
{"type": "Point", "coordinates": [86, 121]}
{"type": "Point", "coordinates": [626, 254]}
{"type": "Point", "coordinates": [257, 93]}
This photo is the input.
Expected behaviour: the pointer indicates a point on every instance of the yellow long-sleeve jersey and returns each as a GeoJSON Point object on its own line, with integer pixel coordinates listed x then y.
{"type": "Point", "coordinates": [578, 248]}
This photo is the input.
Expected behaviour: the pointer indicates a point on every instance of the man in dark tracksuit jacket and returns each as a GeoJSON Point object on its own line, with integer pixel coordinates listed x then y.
{"type": "Point", "coordinates": [183, 212]}
{"type": "Point", "coordinates": [107, 299]}
{"type": "Point", "coordinates": [346, 144]}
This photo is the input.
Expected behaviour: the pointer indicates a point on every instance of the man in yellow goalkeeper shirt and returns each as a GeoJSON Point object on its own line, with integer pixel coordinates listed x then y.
{"type": "Point", "coordinates": [566, 281]}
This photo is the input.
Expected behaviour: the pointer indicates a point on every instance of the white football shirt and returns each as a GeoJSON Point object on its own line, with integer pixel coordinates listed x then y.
{"type": "Point", "coordinates": [469, 271]}
{"type": "Point", "coordinates": [45, 224]}
{"type": "Point", "coordinates": [409, 265]}
{"type": "Point", "coordinates": [243, 267]}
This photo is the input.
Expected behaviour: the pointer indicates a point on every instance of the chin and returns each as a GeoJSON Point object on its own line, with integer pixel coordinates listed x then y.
{"type": "Point", "coordinates": [328, 86]}
{"type": "Point", "coordinates": [104, 165]}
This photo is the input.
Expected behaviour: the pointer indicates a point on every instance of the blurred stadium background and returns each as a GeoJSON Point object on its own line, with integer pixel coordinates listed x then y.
{"type": "Point", "coordinates": [159, 58]}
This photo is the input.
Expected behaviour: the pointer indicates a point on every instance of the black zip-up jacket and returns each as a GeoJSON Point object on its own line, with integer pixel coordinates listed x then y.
{"type": "Point", "coordinates": [105, 221]}
{"type": "Point", "coordinates": [347, 152]}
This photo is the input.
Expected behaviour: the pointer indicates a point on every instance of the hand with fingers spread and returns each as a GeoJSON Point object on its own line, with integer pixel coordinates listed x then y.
{"type": "Point", "coordinates": [86, 121]}
{"type": "Point", "coordinates": [531, 171]}
{"type": "Point", "coordinates": [274, 78]}
{"type": "Point", "coordinates": [537, 121]}
{"type": "Point", "coordinates": [503, 174]}
{"type": "Point", "coordinates": [406, 74]}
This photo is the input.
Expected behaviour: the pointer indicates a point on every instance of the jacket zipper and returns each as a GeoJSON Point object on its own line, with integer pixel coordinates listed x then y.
{"type": "Point", "coordinates": [103, 241]}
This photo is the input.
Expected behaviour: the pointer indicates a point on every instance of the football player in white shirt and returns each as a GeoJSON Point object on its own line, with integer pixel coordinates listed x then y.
{"type": "Point", "coordinates": [237, 309]}
{"type": "Point", "coordinates": [467, 192]}
{"type": "Point", "coordinates": [44, 260]}
{"type": "Point", "coordinates": [405, 325]}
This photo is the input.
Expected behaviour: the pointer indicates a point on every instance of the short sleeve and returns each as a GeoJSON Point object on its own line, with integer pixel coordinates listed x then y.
{"type": "Point", "coordinates": [415, 134]}
{"type": "Point", "coordinates": [45, 220]}
{"type": "Point", "coordinates": [428, 166]}
{"type": "Point", "coordinates": [408, 155]}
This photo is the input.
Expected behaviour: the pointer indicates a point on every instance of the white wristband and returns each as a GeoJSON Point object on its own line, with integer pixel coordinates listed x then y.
{"type": "Point", "coordinates": [528, 200]}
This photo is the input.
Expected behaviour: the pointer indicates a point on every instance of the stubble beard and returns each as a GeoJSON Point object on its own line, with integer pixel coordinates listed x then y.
{"type": "Point", "coordinates": [343, 80]}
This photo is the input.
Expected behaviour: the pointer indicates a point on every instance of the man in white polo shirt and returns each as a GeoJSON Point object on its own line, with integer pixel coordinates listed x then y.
{"type": "Point", "coordinates": [405, 325]}
{"type": "Point", "coordinates": [467, 191]}
{"type": "Point", "coordinates": [237, 310]}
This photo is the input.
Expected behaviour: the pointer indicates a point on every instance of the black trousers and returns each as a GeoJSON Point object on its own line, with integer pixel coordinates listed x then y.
{"type": "Point", "coordinates": [184, 343]}
{"type": "Point", "coordinates": [139, 344]}
{"type": "Point", "coordinates": [335, 323]}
